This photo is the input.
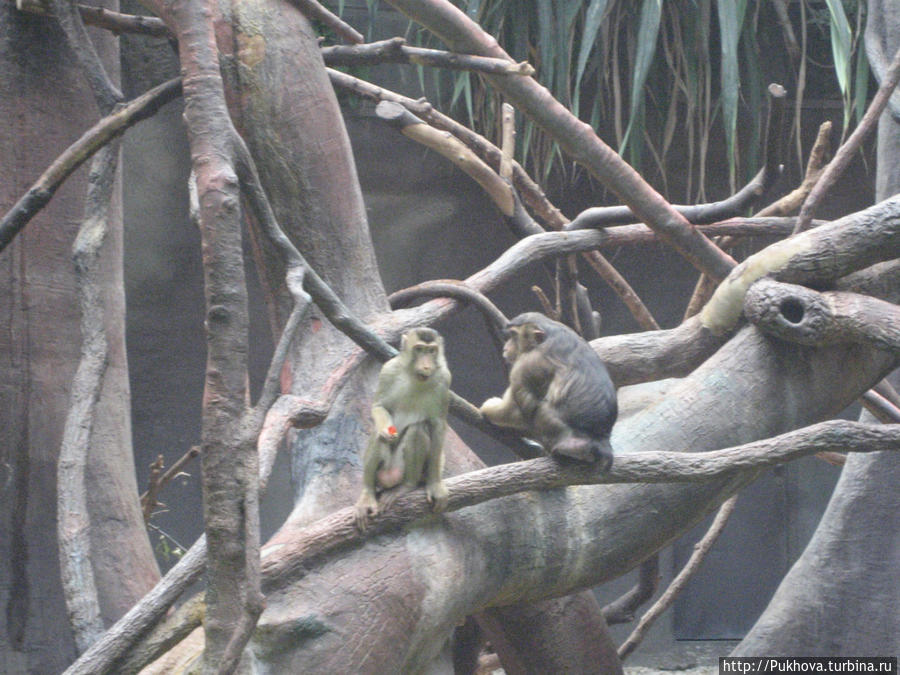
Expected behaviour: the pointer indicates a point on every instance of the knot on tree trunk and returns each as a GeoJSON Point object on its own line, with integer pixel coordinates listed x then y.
{"type": "Point", "coordinates": [803, 315]}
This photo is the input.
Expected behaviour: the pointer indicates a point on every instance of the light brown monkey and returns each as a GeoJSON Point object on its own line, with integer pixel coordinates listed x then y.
{"type": "Point", "coordinates": [559, 393]}
{"type": "Point", "coordinates": [406, 448]}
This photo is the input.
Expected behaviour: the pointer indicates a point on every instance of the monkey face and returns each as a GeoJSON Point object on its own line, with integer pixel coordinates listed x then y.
{"type": "Point", "coordinates": [520, 339]}
{"type": "Point", "coordinates": [425, 357]}
{"type": "Point", "coordinates": [422, 349]}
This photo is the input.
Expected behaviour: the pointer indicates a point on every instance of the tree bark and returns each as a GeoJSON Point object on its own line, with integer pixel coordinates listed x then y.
{"type": "Point", "coordinates": [534, 546]}
{"type": "Point", "coordinates": [841, 596]}
{"type": "Point", "coordinates": [38, 354]}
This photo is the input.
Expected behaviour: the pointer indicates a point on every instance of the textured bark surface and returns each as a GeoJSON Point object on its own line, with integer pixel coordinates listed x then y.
{"type": "Point", "coordinates": [497, 553]}
{"type": "Point", "coordinates": [842, 594]}
{"type": "Point", "coordinates": [39, 348]}
{"type": "Point", "coordinates": [841, 597]}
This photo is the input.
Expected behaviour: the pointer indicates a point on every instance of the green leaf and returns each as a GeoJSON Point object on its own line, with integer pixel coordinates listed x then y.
{"type": "Point", "coordinates": [648, 32]}
{"type": "Point", "coordinates": [841, 44]}
{"type": "Point", "coordinates": [546, 43]}
{"type": "Point", "coordinates": [593, 19]}
{"type": "Point", "coordinates": [861, 85]}
{"type": "Point", "coordinates": [731, 18]}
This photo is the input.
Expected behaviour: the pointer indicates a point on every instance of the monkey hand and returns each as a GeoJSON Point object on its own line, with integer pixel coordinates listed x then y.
{"type": "Point", "coordinates": [366, 507]}
{"type": "Point", "coordinates": [491, 408]}
{"type": "Point", "coordinates": [388, 434]}
{"type": "Point", "coordinates": [437, 495]}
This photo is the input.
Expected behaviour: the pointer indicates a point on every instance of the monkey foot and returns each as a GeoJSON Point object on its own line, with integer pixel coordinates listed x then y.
{"type": "Point", "coordinates": [586, 450]}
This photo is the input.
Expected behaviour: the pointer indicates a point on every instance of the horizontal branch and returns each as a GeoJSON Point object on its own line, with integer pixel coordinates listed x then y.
{"type": "Point", "coordinates": [740, 201]}
{"type": "Point", "coordinates": [79, 152]}
{"type": "Point", "coordinates": [395, 50]}
{"type": "Point", "coordinates": [338, 530]}
{"type": "Point", "coordinates": [115, 22]}
{"type": "Point", "coordinates": [816, 256]}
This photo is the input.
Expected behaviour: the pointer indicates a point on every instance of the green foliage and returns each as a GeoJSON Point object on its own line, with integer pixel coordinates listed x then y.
{"type": "Point", "coordinates": [651, 76]}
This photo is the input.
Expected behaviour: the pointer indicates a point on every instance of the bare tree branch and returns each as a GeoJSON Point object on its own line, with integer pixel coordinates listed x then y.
{"type": "Point", "coordinates": [621, 610]}
{"type": "Point", "coordinates": [531, 193]}
{"type": "Point", "coordinates": [395, 50]}
{"type": "Point", "coordinates": [845, 153]}
{"type": "Point", "coordinates": [690, 568]}
{"type": "Point", "coordinates": [73, 519]}
{"type": "Point", "coordinates": [79, 152]}
{"type": "Point", "coordinates": [103, 655]}
{"type": "Point", "coordinates": [101, 17]}
{"type": "Point", "coordinates": [314, 10]}
{"type": "Point", "coordinates": [698, 214]}
{"type": "Point", "coordinates": [105, 92]}
{"type": "Point", "coordinates": [336, 531]}
{"type": "Point", "coordinates": [577, 138]}
{"type": "Point", "coordinates": [158, 479]}
{"type": "Point", "coordinates": [452, 149]}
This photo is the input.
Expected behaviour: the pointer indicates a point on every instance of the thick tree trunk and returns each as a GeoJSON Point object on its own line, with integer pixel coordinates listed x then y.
{"type": "Point", "coordinates": [39, 350]}
{"type": "Point", "coordinates": [842, 594]}
{"type": "Point", "coordinates": [533, 546]}
{"type": "Point", "coordinates": [308, 171]}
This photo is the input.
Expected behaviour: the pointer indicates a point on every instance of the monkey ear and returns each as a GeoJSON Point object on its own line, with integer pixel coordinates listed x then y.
{"type": "Point", "coordinates": [403, 341]}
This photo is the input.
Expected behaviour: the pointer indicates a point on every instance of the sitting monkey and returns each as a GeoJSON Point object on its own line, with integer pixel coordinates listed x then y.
{"type": "Point", "coordinates": [410, 414]}
{"type": "Point", "coordinates": [559, 393]}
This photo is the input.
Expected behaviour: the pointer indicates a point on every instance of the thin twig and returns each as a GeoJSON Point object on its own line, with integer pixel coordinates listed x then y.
{"type": "Point", "coordinates": [845, 153]}
{"type": "Point", "coordinates": [313, 10]}
{"type": "Point", "coordinates": [395, 50]}
{"type": "Point", "coordinates": [678, 583]}
{"type": "Point", "coordinates": [159, 479]}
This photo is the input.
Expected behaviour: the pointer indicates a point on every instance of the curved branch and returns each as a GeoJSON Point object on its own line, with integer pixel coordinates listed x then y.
{"type": "Point", "coordinates": [79, 152]}
{"type": "Point", "coordinates": [815, 256]}
{"type": "Point", "coordinates": [451, 289]}
{"type": "Point", "coordinates": [74, 523]}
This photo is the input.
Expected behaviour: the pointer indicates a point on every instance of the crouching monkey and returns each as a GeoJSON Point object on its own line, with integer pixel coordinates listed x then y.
{"type": "Point", "coordinates": [410, 413]}
{"type": "Point", "coordinates": [559, 393]}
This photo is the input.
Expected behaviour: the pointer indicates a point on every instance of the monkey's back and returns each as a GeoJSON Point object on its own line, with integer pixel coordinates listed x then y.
{"type": "Point", "coordinates": [582, 390]}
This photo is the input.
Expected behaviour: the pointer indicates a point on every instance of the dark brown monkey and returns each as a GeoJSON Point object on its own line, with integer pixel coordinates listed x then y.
{"type": "Point", "coordinates": [410, 413]}
{"type": "Point", "coordinates": [559, 393]}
